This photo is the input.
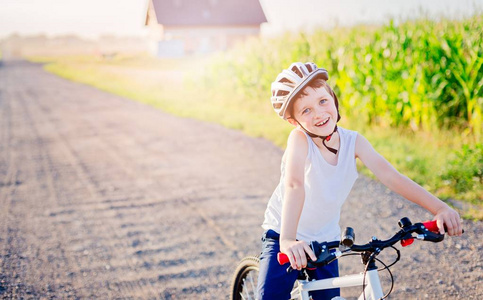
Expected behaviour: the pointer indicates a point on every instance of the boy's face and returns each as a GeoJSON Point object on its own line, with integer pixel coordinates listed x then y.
{"type": "Point", "coordinates": [315, 111]}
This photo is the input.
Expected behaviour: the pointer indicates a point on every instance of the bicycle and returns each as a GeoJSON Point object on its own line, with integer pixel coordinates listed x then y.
{"type": "Point", "coordinates": [244, 281]}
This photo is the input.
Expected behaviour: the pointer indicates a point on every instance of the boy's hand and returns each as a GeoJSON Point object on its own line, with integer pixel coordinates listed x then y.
{"type": "Point", "coordinates": [297, 252]}
{"type": "Point", "coordinates": [449, 218]}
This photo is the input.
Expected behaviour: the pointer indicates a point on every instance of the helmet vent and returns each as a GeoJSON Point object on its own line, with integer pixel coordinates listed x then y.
{"type": "Point", "coordinates": [297, 71]}
{"type": "Point", "coordinates": [285, 80]}
{"type": "Point", "coordinates": [282, 93]}
{"type": "Point", "coordinates": [277, 105]}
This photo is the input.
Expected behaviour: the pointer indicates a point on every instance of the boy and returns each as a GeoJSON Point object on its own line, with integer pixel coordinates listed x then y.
{"type": "Point", "coordinates": [318, 172]}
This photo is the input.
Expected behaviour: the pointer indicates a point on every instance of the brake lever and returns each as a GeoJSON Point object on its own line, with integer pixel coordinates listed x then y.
{"type": "Point", "coordinates": [425, 233]}
{"type": "Point", "coordinates": [431, 236]}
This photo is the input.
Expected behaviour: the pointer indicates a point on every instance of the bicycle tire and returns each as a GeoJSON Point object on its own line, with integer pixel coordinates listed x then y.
{"type": "Point", "coordinates": [250, 266]}
{"type": "Point", "coordinates": [245, 278]}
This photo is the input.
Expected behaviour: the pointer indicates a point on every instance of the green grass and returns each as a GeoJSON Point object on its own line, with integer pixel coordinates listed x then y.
{"type": "Point", "coordinates": [419, 155]}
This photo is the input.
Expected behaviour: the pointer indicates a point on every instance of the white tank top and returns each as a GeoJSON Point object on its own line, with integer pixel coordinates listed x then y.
{"type": "Point", "coordinates": [326, 189]}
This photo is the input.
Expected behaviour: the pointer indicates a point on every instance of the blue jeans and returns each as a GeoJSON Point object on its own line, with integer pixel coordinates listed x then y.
{"type": "Point", "coordinates": [276, 284]}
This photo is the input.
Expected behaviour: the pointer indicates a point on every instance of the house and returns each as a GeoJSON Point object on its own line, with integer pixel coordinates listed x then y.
{"type": "Point", "coordinates": [187, 27]}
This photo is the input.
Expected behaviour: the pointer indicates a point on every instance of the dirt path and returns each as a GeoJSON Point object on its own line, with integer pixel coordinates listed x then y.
{"type": "Point", "coordinates": [102, 197]}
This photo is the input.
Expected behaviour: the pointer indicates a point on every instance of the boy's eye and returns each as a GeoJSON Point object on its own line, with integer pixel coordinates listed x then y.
{"type": "Point", "coordinates": [322, 101]}
{"type": "Point", "coordinates": [305, 111]}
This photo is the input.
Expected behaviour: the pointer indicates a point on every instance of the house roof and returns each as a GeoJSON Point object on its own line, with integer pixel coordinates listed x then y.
{"type": "Point", "coordinates": [208, 12]}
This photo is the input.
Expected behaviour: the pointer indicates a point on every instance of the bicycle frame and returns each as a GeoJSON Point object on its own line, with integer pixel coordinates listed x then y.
{"type": "Point", "coordinates": [372, 291]}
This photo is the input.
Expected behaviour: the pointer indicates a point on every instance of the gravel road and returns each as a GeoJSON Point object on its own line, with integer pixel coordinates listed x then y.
{"type": "Point", "coordinates": [105, 198]}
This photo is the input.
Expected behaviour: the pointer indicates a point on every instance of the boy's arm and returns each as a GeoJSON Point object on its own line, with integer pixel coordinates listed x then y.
{"type": "Point", "coordinates": [407, 188]}
{"type": "Point", "coordinates": [294, 197]}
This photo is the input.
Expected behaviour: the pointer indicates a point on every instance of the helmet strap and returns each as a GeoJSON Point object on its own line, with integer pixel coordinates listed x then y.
{"type": "Point", "coordinates": [323, 138]}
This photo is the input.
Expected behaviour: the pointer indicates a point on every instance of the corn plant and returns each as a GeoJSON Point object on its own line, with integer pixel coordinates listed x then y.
{"type": "Point", "coordinates": [421, 75]}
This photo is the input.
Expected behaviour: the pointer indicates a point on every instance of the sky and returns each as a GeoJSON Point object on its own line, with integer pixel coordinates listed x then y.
{"type": "Point", "coordinates": [93, 18]}
{"type": "Point", "coordinates": [87, 18]}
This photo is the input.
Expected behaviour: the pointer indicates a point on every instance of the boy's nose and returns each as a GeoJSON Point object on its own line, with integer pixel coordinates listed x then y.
{"type": "Point", "coordinates": [319, 112]}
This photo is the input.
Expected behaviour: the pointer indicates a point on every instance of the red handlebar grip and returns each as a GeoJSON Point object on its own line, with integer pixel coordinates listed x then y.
{"type": "Point", "coordinates": [431, 226]}
{"type": "Point", "coordinates": [282, 258]}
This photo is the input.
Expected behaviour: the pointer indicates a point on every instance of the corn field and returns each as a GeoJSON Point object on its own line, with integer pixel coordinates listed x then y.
{"type": "Point", "coordinates": [421, 75]}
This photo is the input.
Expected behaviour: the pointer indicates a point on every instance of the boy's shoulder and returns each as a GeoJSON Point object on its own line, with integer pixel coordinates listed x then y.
{"type": "Point", "coordinates": [297, 132]}
{"type": "Point", "coordinates": [297, 137]}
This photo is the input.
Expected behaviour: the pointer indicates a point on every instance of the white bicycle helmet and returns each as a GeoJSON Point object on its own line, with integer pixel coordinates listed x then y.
{"type": "Point", "coordinates": [291, 81]}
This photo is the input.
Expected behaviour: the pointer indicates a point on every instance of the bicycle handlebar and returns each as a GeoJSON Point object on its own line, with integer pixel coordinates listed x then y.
{"type": "Point", "coordinates": [427, 231]}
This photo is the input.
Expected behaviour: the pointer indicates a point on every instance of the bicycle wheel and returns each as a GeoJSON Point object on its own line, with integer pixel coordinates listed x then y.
{"type": "Point", "coordinates": [245, 279]}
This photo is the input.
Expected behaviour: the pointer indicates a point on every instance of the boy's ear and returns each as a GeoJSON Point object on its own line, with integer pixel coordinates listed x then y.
{"type": "Point", "coordinates": [292, 121]}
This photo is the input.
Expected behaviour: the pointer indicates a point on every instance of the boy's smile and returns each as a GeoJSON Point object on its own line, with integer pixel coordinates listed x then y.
{"type": "Point", "coordinates": [316, 111]}
{"type": "Point", "coordinates": [324, 122]}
